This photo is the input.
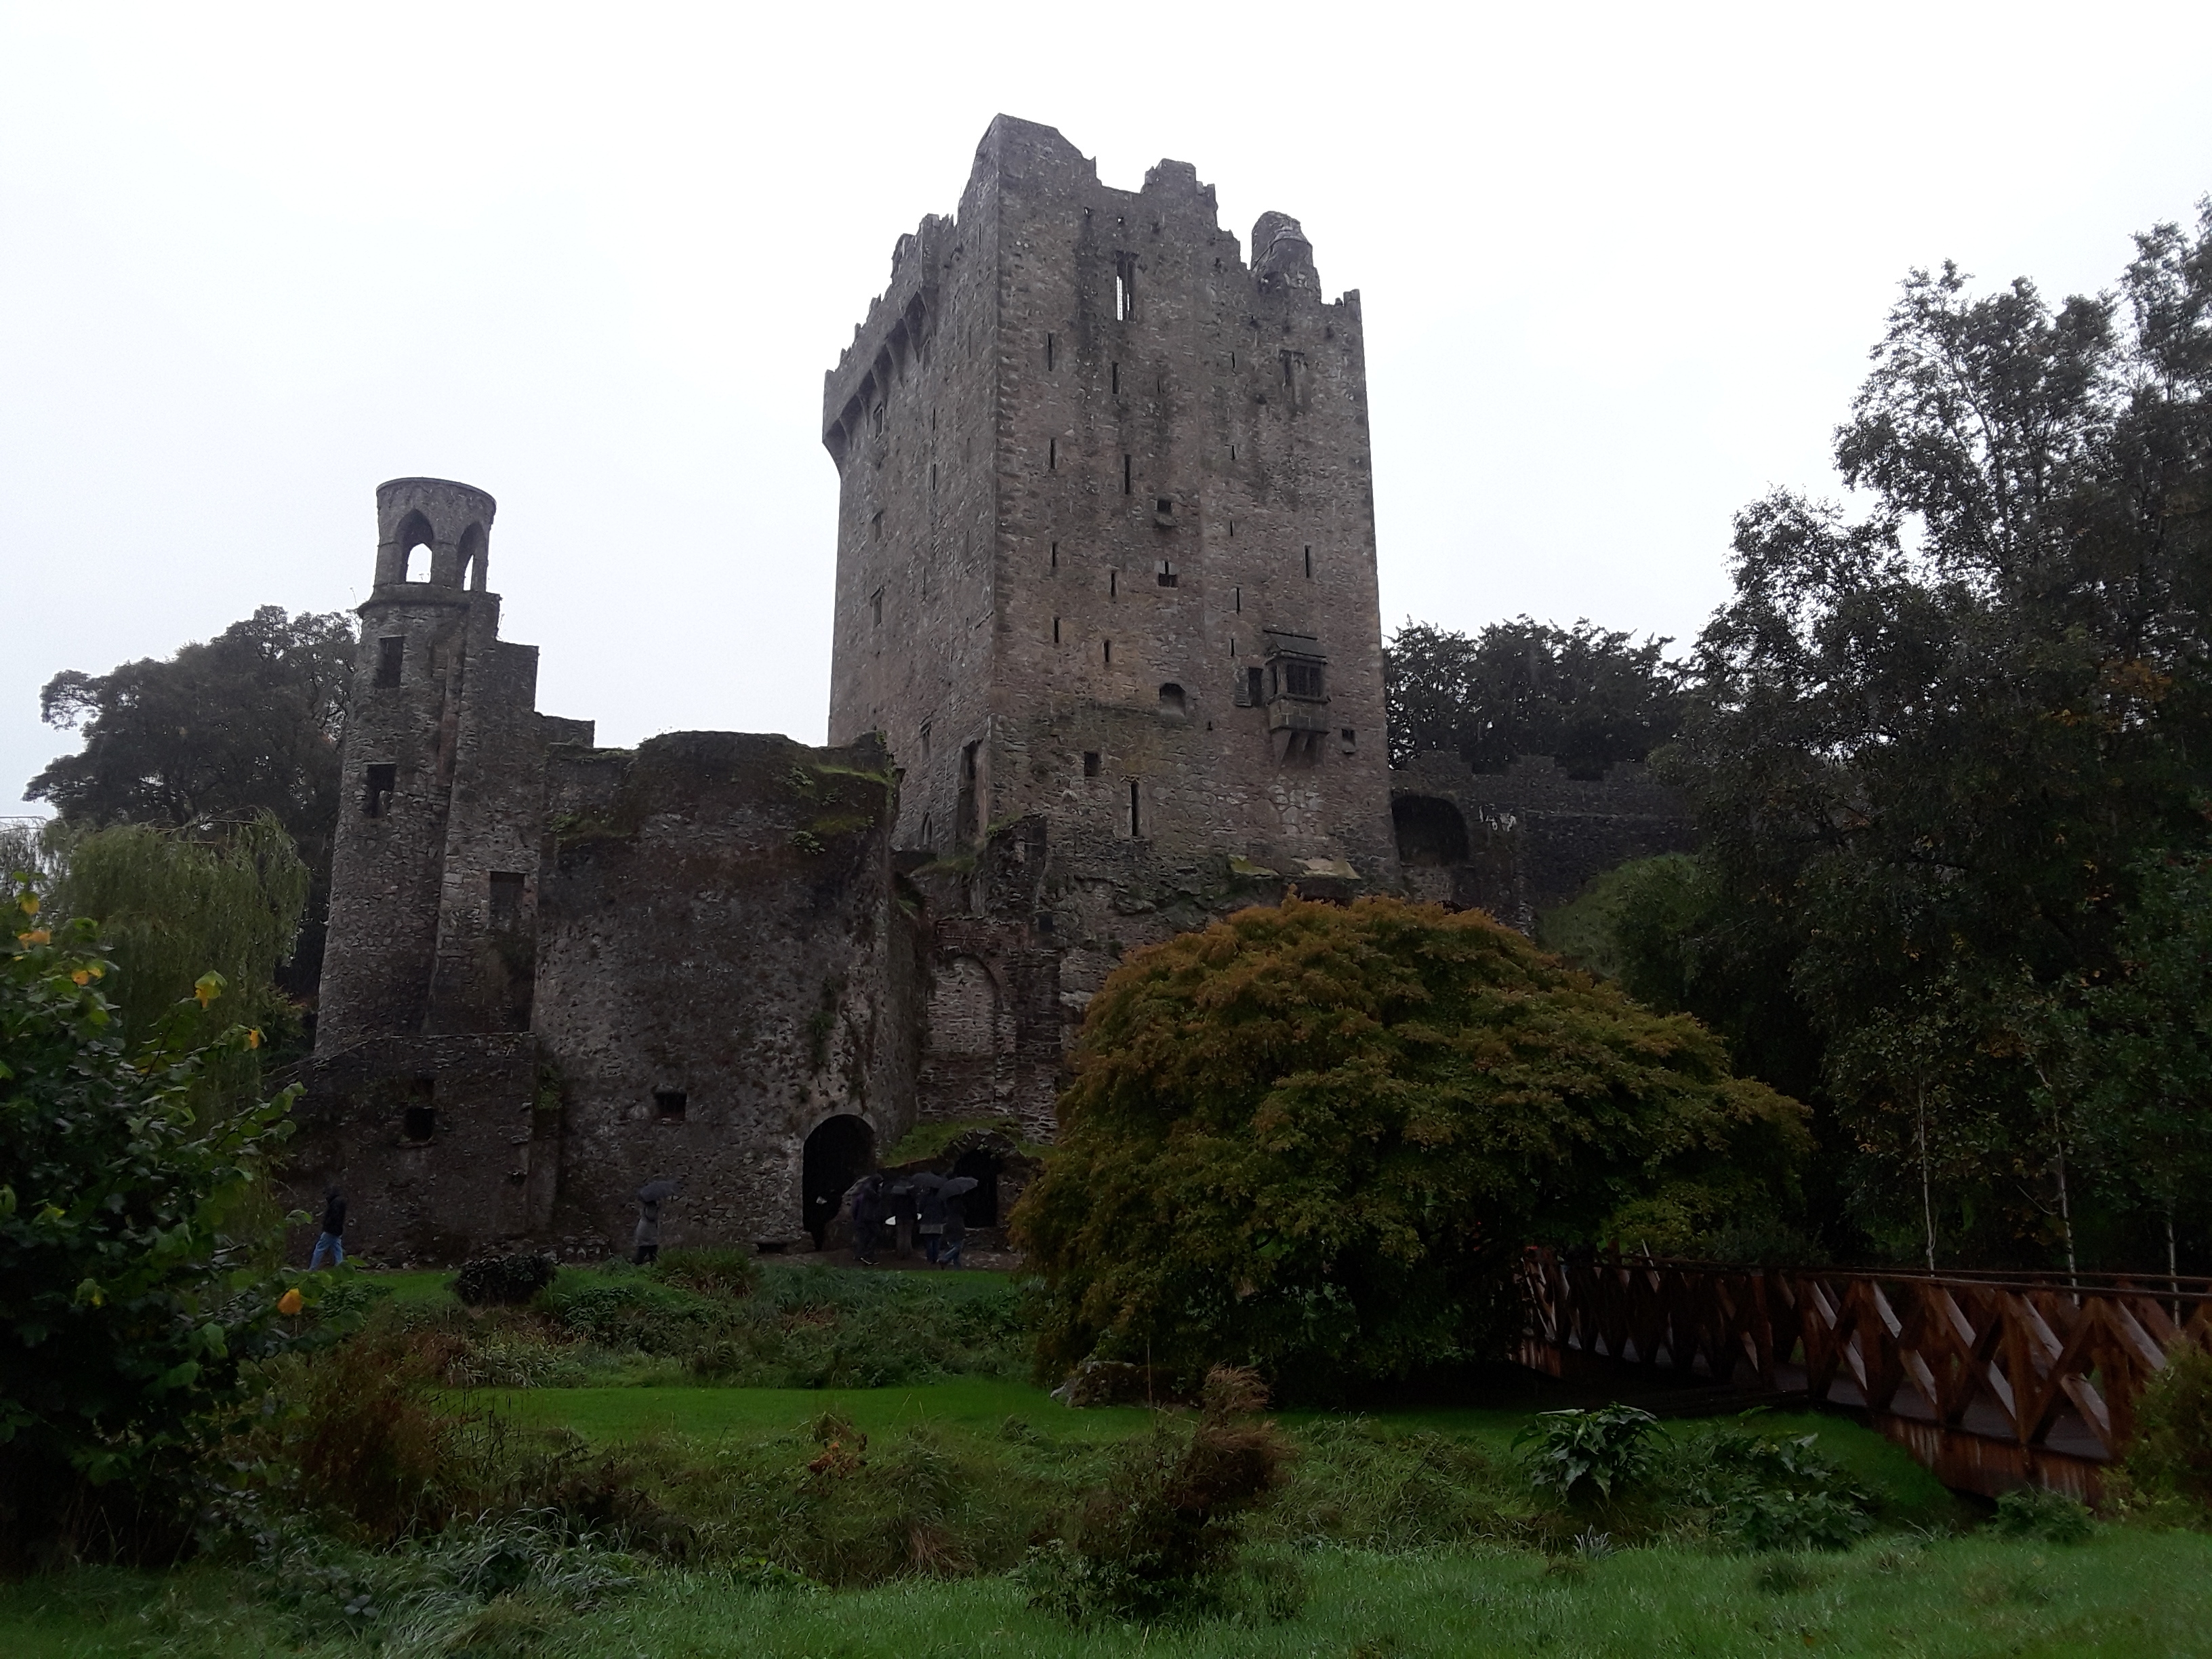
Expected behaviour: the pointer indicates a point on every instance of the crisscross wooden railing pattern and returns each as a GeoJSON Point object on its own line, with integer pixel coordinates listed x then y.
{"type": "Point", "coordinates": [1992, 1378]}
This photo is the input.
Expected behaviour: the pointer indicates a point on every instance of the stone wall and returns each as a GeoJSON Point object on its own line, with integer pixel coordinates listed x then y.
{"type": "Point", "coordinates": [1519, 843]}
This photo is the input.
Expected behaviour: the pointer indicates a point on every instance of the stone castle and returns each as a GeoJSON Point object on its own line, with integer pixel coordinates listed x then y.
{"type": "Point", "coordinates": [1108, 662]}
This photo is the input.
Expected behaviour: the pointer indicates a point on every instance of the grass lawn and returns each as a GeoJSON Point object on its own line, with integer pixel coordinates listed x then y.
{"type": "Point", "coordinates": [979, 1404]}
{"type": "Point", "coordinates": [2122, 1593]}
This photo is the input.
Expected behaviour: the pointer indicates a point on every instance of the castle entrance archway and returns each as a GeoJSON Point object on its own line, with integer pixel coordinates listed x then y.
{"type": "Point", "coordinates": [981, 1208]}
{"type": "Point", "coordinates": [839, 1153]}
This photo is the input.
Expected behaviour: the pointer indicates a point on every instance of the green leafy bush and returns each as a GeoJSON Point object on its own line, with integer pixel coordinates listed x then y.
{"type": "Point", "coordinates": [132, 1312]}
{"type": "Point", "coordinates": [503, 1280]}
{"type": "Point", "coordinates": [2170, 1455]}
{"type": "Point", "coordinates": [1578, 1455]}
{"type": "Point", "coordinates": [627, 1309]}
{"type": "Point", "coordinates": [1314, 1139]}
{"type": "Point", "coordinates": [1160, 1540]}
{"type": "Point", "coordinates": [2039, 1512]}
{"type": "Point", "coordinates": [1766, 1492]}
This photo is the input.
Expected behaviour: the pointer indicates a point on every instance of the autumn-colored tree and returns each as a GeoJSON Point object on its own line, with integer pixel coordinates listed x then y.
{"type": "Point", "coordinates": [1313, 1139]}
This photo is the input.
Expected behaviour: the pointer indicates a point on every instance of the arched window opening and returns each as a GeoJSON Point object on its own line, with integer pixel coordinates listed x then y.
{"type": "Point", "coordinates": [1432, 834]}
{"type": "Point", "coordinates": [474, 556]}
{"type": "Point", "coordinates": [839, 1153]}
{"type": "Point", "coordinates": [1172, 701]}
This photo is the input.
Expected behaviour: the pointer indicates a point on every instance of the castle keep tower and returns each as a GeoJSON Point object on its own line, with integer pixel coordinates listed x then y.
{"type": "Point", "coordinates": [1106, 534]}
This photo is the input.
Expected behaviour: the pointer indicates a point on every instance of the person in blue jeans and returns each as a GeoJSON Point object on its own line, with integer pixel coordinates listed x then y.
{"type": "Point", "coordinates": [332, 1242]}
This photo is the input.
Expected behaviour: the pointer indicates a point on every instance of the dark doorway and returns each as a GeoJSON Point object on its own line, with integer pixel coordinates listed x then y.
{"type": "Point", "coordinates": [981, 1208]}
{"type": "Point", "coordinates": [838, 1153]}
{"type": "Point", "coordinates": [1430, 832]}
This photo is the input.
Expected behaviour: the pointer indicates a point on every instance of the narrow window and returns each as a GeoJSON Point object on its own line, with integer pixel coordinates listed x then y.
{"type": "Point", "coordinates": [875, 605]}
{"type": "Point", "coordinates": [1113, 584]}
{"type": "Point", "coordinates": [376, 795]}
{"type": "Point", "coordinates": [1310, 564]}
{"type": "Point", "coordinates": [1136, 811]}
{"type": "Point", "coordinates": [1232, 453]}
{"type": "Point", "coordinates": [1167, 572]}
{"type": "Point", "coordinates": [1239, 592]}
{"type": "Point", "coordinates": [1115, 374]}
{"type": "Point", "coordinates": [1349, 738]}
{"type": "Point", "coordinates": [1125, 475]}
{"type": "Point", "coordinates": [1052, 455]}
{"type": "Point", "coordinates": [1055, 630]}
{"type": "Point", "coordinates": [506, 900]}
{"type": "Point", "coordinates": [390, 653]}
{"type": "Point", "coordinates": [1055, 556]}
{"type": "Point", "coordinates": [877, 420]}
{"type": "Point", "coordinates": [419, 1120]}
{"type": "Point", "coordinates": [1048, 351]}
{"type": "Point", "coordinates": [1109, 653]}
{"type": "Point", "coordinates": [1091, 763]}
{"type": "Point", "coordinates": [925, 740]}
{"type": "Point", "coordinates": [1232, 529]}
{"type": "Point", "coordinates": [1232, 647]}
{"type": "Point", "coordinates": [1255, 690]}
{"type": "Point", "coordinates": [668, 1104]}
{"type": "Point", "coordinates": [932, 477]}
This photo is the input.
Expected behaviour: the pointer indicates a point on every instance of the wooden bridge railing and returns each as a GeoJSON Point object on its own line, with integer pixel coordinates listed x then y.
{"type": "Point", "coordinates": [1992, 1379]}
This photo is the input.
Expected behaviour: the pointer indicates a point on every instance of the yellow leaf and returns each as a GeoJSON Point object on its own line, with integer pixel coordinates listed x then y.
{"type": "Point", "coordinates": [82, 976]}
{"type": "Point", "coordinates": [36, 936]}
{"type": "Point", "coordinates": [29, 902]}
{"type": "Point", "coordinates": [208, 987]}
{"type": "Point", "coordinates": [253, 1038]}
{"type": "Point", "coordinates": [291, 1302]}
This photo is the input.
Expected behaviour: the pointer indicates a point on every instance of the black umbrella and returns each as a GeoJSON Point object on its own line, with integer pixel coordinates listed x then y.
{"type": "Point", "coordinates": [653, 1191]}
{"type": "Point", "coordinates": [960, 1184]}
{"type": "Point", "coordinates": [924, 1181]}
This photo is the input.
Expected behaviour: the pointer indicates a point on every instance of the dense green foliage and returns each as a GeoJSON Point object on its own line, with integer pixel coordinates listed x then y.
{"type": "Point", "coordinates": [1950, 759]}
{"type": "Point", "coordinates": [2171, 1454]}
{"type": "Point", "coordinates": [1585, 696]}
{"type": "Point", "coordinates": [173, 905]}
{"type": "Point", "coordinates": [246, 723]}
{"type": "Point", "coordinates": [1313, 1139]}
{"type": "Point", "coordinates": [131, 1308]}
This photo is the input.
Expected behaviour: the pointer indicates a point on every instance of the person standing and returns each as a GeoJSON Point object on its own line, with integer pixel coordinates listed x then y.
{"type": "Point", "coordinates": [956, 1230]}
{"type": "Point", "coordinates": [929, 1206]}
{"type": "Point", "coordinates": [648, 1239]}
{"type": "Point", "coordinates": [332, 1242]}
{"type": "Point", "coordinates": [868, 1219]}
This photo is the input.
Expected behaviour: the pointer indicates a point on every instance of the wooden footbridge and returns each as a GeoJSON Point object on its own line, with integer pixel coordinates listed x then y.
{"type": "Point", "coordinates": [1992, 1379]}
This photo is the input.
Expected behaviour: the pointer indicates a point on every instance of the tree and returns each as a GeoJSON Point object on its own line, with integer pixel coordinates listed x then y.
{"type": "Point", "coordinates": [248, 722]}
{"type": "Point", "coordinates": [173, 905]}
{"type": "Point", "coordinates": [1583, 695]}
{"type": "Point", "coordinates": [1315, 1138]}
{"type": "Point", "coordinates": [132, 1312]}
{"type": "Point", "coordinates": [1931, 748]}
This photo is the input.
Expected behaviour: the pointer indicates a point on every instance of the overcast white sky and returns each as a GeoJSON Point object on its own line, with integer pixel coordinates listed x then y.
{"type": "Point", "coordinates": [1620, 267]}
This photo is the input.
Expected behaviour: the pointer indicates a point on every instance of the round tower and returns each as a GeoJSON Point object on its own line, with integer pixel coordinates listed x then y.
{"type": "Point", "coordinates": [451, 522]}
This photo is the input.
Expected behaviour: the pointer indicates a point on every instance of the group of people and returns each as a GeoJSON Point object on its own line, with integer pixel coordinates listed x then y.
{"type": "Point", "coordinates": [937, 1210]}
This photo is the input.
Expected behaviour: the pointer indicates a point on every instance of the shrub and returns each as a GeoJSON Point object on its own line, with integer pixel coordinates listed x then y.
{"type": "Point", "coordinates": [1578, 1454]}
{"type": "Point", "coordinates": [2172, 1453]}
{"type": "Point", "coordinates": [365, 1444]}
{"type": "Point", "coordinates": [1314, 1139]}
{"type": "Point", "coordinates": [131, 1310]}
{"type": "Point", "coordinates": [1769, 1492]}
{"type": "Point", "coordinates": [623, 1309]}
{"type": "Point", "coordinates": [503, 1280]}
{"type": "Point", "coordinates": [1160, 1540]}
{"type": "Point", "coordinates": [711, 1273]}
{"type": "Point", "coordinates": [2039, 1512]}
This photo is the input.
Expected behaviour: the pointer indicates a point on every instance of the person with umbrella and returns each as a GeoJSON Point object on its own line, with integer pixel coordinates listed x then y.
{"type": "Point", "coordinates": [867, 1201]}
{"type": "Point", "coordinates": [647, 1240]}
{"type": "Point", "coordinates": [937, 1201]}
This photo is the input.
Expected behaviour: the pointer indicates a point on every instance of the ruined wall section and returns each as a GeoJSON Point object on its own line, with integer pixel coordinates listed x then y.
{"type": "Point", "coordinates": [722, 966]}
{"type": "Point", "coordinates": [1519, 843]}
